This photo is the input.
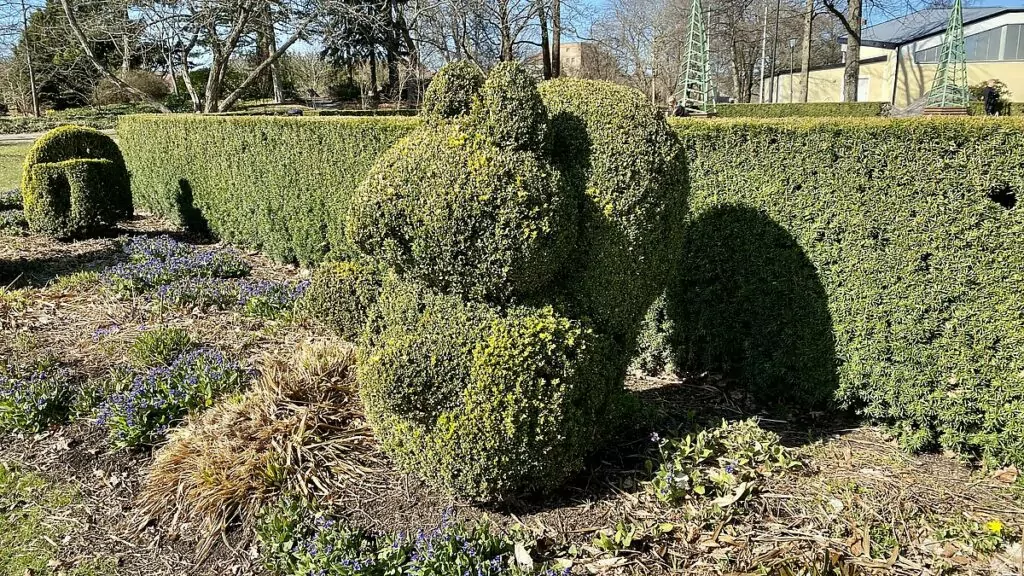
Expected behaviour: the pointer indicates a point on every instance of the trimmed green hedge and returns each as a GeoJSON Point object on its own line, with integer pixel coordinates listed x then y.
{"type": "Point", "coordinates": [802, 110]}
{"type": "Point", "coordinates": [1004, 108]}
{"type": "Point", "coordinates": [277, 184]}
{"type": "Point", "coordinates": [877, 260]}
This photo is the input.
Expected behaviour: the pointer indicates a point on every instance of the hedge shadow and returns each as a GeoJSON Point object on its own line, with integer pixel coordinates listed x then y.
{"type": "Point", "coordinates": [747, 303]}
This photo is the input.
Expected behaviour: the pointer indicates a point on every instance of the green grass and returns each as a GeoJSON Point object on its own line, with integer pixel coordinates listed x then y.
{"type": "Point", "coordinates": [31, 522]}
{"type": "Point", "coordinates": [11, 157]}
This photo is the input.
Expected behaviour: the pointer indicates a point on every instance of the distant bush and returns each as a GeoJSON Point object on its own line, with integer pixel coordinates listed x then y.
{"type": "Point", "coordinates": [75, 183]}
{"type": "Point", "coordinates": [106, 92]}
{"type": "Point", "coordinates": [804, 110]}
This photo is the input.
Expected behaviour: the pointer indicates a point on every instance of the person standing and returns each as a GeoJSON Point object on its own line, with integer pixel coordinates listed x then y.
{"type": "Point", "coordinates": [990, 98]}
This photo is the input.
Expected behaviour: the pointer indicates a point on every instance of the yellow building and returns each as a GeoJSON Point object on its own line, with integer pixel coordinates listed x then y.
{"type": "Point", "coordinates": [899, 58]}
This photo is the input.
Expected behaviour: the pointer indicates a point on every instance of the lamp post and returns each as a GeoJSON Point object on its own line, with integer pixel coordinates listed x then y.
{"type": "Point", "coordinates": [792, 46]}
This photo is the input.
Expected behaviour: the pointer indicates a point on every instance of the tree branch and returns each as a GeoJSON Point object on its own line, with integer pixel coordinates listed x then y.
{"type": "Point", "coordinates": [76, 29]}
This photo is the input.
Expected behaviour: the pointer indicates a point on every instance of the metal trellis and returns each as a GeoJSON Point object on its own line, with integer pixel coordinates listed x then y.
{"type": "Point", "coordinates": [698, 94]}
{"type": "Point", "coordinates": [949, 90]}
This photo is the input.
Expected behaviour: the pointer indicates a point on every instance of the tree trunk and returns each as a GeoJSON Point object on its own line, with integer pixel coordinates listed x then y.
{"type": "Point", "coordinates": [234, 96]}
{"type": "Point", "coordinates": [805, 52]}
{"type": "Point", "coordinates": [851, 75]}
{"type": "Point", "coordinates": [186, 75]}
{"type": "Point", "coordinates": [556, 38]}
{"type": "Point", "coordinates": [275, 67]}
{"type": "Point", "coordinates": [545, 48]}
{"type": "Point", "coordinates": [28, 61]}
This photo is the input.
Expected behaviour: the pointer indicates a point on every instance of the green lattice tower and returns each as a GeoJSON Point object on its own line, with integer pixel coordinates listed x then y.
{"type": "Point", "coordinates": [698, 93]}
{"type": "Point", "coordinates": [949, 89]}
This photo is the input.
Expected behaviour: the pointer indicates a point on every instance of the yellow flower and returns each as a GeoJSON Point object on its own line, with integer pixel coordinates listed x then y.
{"type": "Point", "coordinates": [994, 526]}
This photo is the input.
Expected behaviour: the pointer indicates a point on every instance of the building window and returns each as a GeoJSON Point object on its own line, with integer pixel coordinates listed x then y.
{"type": "Point", "coordinates": [988, 46]}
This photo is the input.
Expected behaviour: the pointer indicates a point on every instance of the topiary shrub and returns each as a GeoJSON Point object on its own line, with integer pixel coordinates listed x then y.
{"type": "Point", "coordinates": [510, 110]}
{"type": "Point", "coordinates": [452, 91]}
{"type": "Point", "coordinates": [616, 150]}
{"type": "Point", "coordinates": [75, 183]}
{"type": "Point", "coordinates": [460, 214]}
{"type": "Point", "coordinates": [340, 295]}
{"type": "Point", "coordinates": [483, 365]}
{"type": "Point", "coordinates": [486, 402]}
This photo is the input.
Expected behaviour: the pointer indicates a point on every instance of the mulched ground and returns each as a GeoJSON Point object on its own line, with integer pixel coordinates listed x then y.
{"type": "Point", "coordinates": [860, 501]}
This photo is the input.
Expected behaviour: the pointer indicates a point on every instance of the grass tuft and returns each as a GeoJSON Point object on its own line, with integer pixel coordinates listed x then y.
{"type": "Point", "coordinates": [300, 430]}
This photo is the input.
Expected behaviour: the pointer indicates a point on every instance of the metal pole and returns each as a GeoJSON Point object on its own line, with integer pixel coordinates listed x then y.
{"type": "Point", "coordinates": [791, 73]}
{"type": "Point", "coordinates": [764, 45]}
{"type": "Point", "coordinates": [775, 49]}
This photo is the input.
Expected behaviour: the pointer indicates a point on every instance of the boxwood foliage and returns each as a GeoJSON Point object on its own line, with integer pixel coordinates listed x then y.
{"type": "Point", "coordinates": [616, 151]}
{"type": "Point", "coordinates": [449, 208]}
{"type": "Point", "coordinates": [484, 402]}
{"type": "Point", "coordinates": [452, 91]}
{"type": "Point", "coordinates": [804, 110]}
{"type": "Point", "coordinates": [75, 183]}
{"type": "Point", "coordinates": [281, 185]}
{"type": "Point", "coordinates": [881, 258]}
{"type": "Point", "coordinates": [340, 296]}
{"type": "Point", "coordinates": [468, 373]}
{"type": "Point", "coordinates": [510, 111]}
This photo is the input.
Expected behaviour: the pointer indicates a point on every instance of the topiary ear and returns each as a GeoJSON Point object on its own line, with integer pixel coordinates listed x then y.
{"type": "Point", "coordinates": [511, 112]}
{"type": "Point", "coordinates": [453, 90]}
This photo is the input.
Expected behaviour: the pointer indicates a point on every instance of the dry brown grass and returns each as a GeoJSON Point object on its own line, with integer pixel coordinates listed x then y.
{"type": "Point", "coordinates": [300, 430]}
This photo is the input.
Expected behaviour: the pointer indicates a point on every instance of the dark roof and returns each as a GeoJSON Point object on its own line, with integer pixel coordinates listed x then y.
{"type": "Point", "coordinates": [920, 24]}
{"type": "Point", "coordinates": [833, 66]}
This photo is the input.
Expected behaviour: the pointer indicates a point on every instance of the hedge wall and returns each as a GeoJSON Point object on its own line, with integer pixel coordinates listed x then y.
{"type": "Point", "coordinates": [1004, 108]}
{"type": "Point", "coordinates": [280, 185]}
{"type": "Point", "coordinates": [812, 109]}
{"type": "Point", "coordinates": [878, 260]}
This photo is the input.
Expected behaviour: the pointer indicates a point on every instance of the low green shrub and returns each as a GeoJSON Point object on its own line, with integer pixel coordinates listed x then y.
{"type": "Point", "coordinates": [75, 183]}
{"type": "Point", "coordinates": [452, 90]}
{"type": "Point", "coordinates": [340, 295]}
{"type": "Point", "coordinates": [804, 110]}
{"type": "Point", "coordinates": [296, 540]}
{"type": "Point", "coordinates": [34, 398]}
{"type": "Point", "coordinates": [10, 199]}
{"type": "Point", "coordinates": [490, 222]}
{"type": "Point", "coordinates": [159, 346]}
{"type": "Point", "coordinates": [874, 261]}
{"type": "Point", "coordinates": [281, 185]}
{"type": "Point", "coordinates": [149, 402]}
{"type": "Point", "coordinates": [1003, 108]}
{"type": "Point", "coordinates": [12, 223]}
{"type": "Point", "coordinates": [615, 150]}
{"type": "Point", "coordinates": [724, 465]}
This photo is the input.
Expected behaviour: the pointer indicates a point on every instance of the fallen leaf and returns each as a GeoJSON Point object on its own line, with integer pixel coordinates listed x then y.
{"type": "Point", "coordinates": [1006, 475]}
{"type": "Point", "coordinates": [523, 555]}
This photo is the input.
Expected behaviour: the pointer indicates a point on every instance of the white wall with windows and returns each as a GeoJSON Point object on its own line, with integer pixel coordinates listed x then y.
{"type": "Point", "coordinates": [997, 39]}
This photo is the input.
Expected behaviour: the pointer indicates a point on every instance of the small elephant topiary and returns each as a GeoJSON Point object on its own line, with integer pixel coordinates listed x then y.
{"type": "Point", "coordinates": [494, 351]}
{"type": "Point", "coordinates": [75, 183]}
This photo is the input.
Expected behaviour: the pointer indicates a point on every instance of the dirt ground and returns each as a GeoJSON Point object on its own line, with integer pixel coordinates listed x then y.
{"type": "Point", "coordinates": [858, 504]}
